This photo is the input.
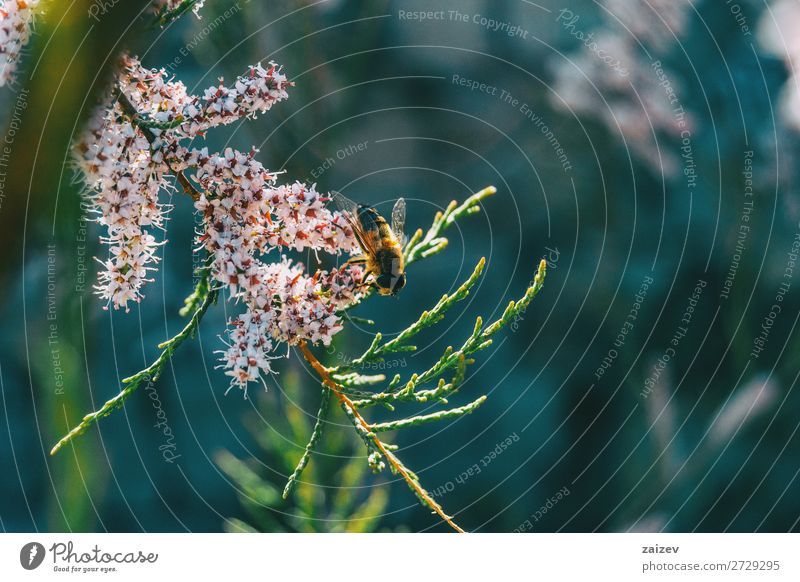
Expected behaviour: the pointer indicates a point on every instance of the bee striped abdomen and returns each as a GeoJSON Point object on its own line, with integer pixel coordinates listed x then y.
{"type": "Point", "coordinates": [374, 224]}
{"type": "Point", "coordinates": [390, 260]}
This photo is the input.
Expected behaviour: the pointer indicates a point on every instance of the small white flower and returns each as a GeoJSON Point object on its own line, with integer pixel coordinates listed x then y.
{"type": "Point", "coordinates": [16, 18]}
{"type": "Point", "coordinates": [169, 5]}
{"type": "Point", "coordinates": [245, 214]}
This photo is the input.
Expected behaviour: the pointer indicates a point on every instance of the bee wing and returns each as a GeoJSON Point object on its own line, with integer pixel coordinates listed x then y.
{"type": "Point", "coordinates": [349, 210]}
{"type": "Point", "coordinates": [399, 220]}
{"type": "Point", "coordinates": [345, 205]}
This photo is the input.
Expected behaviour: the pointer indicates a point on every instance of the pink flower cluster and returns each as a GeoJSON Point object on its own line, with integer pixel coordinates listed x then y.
{"type": "Point", "coordinates": [299, 307]}
{"type": "Point", "coordinates": [779, 34]}
{"type": "Point", "coordinates": [124, 181]}
{"type": "Point", "coordinates": [245, 214]}
{"type": "Point", "coordinates": [16, 17]}
{"type": "Point", "coordinates": [166, 102]}
{"type": "Point", "coordinates": [244, 217]}
{"type": "Point", "coordinates": [127, 160]}
{"type": "Point", "coordinates": [252, 93]}
{"type": "Point", "coordinates": [656, 23]}
{"type": "Point", "coordinates": [160, 6]}
{"type": "Point", "coordinates": [613, 80]}
{"type": "Point", "coordinates": [126, 164]}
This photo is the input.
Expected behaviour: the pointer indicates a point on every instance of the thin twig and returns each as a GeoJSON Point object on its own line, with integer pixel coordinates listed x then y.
{"type": "Point", "coordinates": [312, 443]}
{"type": "Point", "coordinates": [136, 119]}
{"type": "Point", "coordinates": [322, 371]}
{"type": "Point", "coordinates": [149, 374]}
{"type": "Point", "coordinates": [426, 418]}
{"type": "Point", "coordinates": [165, 15]}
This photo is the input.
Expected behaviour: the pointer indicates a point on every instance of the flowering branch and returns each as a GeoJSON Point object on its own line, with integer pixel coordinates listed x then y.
{"type": "Point", "coordinates": [137, 140]}
{"type": "Point", "coordinates": [146, 127]}
{"type": "Point", "coordinates": [204, 295]}
{"type": "Point", "coordinates": [168, 10]}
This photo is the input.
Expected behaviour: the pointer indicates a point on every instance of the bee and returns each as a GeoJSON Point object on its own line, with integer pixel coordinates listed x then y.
{"type": "Point", "coordinates": [381, 245]}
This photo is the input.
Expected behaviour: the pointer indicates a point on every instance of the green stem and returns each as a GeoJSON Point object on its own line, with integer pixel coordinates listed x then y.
{"type": "Point", "coordinates": [165, 16]}
{"type": "Point", "coordinates": [480, 339]}
{"type": "Point", "coordinates": [435, 315]}
{"type": "Point", "coordinates": [427, 319]}
{"type": "Point", "coordinates": [421, 247]}
{"type": "Point", "coordinates": [373, 442]}
{"type": "Point", "coordinates": [426, 418]}
{"type": "Point", "coordinates": [149, 374]}
{"type": "Point", "coordinates": [312, 443]}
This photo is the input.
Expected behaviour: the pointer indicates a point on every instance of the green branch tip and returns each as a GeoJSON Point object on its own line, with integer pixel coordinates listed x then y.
{"type": "Point", "coordinates": [316, 433]}
{"type": "Point", "coordinates": [426, 244]}
{"type": "Point", "coordinates": [166, 15]}
{"type": "Point", "coordinates": [426, 418]}
{"type": "Point", "coordinates": [517, 307]}
{"type": "Point", "coordinates": [428, 318]}
{"type": "Point", "coordinates": [470, 205]}
{"type": "Point", "coordinates": [149, 374]}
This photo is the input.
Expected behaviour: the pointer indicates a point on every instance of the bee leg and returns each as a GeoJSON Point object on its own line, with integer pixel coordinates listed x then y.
{"type": "Point", "coordinates": [364, 281]}
{"type": "Point", "coordinates": [357, 260]}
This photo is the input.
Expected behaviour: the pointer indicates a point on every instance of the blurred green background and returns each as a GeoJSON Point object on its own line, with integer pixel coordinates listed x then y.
{"type": "Point", "coordinates": [594, 172]}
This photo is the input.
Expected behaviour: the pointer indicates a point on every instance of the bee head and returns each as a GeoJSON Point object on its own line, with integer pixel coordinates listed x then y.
{"type": "Point", "coordinates": [389, 284]}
